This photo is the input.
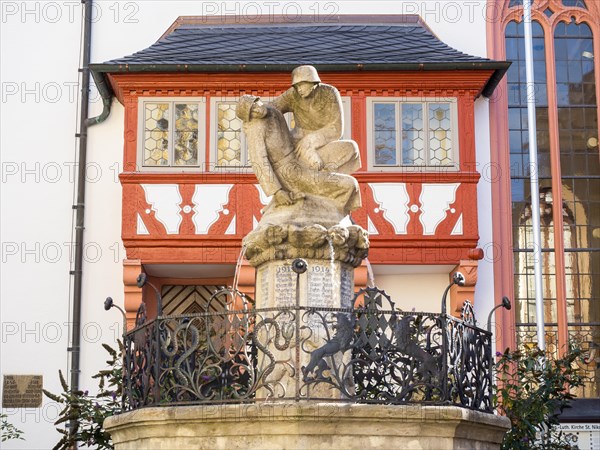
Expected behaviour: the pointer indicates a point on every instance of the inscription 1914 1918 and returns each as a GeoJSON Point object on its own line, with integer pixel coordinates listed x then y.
{"type": "Point", "coordinates": [320, 286]}
{"type": "Point", "coordinates": [327, 290]}
{"type": "Point", "coordinates": [22, 391]}
{"type": "Point", "coordinates": [285, 286]}
{"type": "Point", "coordinates": [323, 285]}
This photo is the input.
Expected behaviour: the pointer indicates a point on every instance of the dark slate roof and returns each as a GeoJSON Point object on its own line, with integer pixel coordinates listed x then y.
{"type": "Point", "coordinates": [316, 44]}
{"type": "Point", "coordinates": [406, 44]}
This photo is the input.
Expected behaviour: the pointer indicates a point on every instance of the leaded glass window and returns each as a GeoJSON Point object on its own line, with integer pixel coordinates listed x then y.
{"type": "Point", "coordinates": [406, 133]}
{"type": "Point", "coordinates": [170, 133]}
{"type": "Point", "coordinates": [440, 134]}
{"type": "Point", "coordinates": [413, 138]}
{"type": "Point", "coordinates": [386, 134]}
{"type": "Point", "coordinates": [231, 151]}
{"type": "Point", "coordinates": [156, 134]}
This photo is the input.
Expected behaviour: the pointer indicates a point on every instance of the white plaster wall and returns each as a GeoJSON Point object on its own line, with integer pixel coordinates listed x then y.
{"type": "Point", "coordinates": [460, 23]}
{"type": "Point", "coordinates": [103, 268]}
{"type": "Point", "coordinates": [37, 139]}
{"type": "Point", "coordinates": [421, 290]}
{"type": "Point", "coordinates": [40, 44]}
{"type": "Point", "coordinates": [484, 290]}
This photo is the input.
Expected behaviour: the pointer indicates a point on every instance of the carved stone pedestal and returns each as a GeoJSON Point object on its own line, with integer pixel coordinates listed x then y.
{"type": "Point", "coordinates": [324, 284]}
{"type": "Point", "coordinates": [320, 335]}
{"type": "Point", "coordinates": [307, 425]}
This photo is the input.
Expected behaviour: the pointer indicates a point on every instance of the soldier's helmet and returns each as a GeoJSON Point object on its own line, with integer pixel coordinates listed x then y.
{"type": "Point", "coordinates": [244, 106]}
{"type": "Point", "coordinates": [305, 73]}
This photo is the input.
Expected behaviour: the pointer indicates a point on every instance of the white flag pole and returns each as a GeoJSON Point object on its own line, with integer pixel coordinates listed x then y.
{"type": "Point", "coordinates": [533, 175]}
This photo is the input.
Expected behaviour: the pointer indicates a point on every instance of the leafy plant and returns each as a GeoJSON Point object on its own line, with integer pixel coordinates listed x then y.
{"type": "Point", "coordinates": [85, 413]}
{"type": "Point", "coordinates": [532, 391]}
{"type": "Point", "coordinates": [8, 431]}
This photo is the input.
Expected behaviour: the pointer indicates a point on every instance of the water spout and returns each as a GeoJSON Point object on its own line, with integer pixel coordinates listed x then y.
{"type": "Point", "coordinates": [370, 274]}
{"type": "Point", "coordinates": [335, 283]}
{"type": "Point", "coordinates": [236, 276]}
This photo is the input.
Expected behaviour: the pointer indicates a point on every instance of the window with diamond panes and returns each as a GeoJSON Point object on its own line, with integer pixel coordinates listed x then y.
{"type": "Point", "coordinates": [231, 151]}
{"type": "Point", "coordinates": [156, 134]}
{"type": "Point", "coordinates": [170, 133]}
{"type": "Point", "coordinates": [440, 134]}
{"type": "Point", "coordinates": [413, 134]}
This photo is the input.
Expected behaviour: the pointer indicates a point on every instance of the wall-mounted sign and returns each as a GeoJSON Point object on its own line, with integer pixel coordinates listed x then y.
{"type": "Point", "coordinates": [586, 436]}
{"type": "Point", "coordinates": [22, 391]}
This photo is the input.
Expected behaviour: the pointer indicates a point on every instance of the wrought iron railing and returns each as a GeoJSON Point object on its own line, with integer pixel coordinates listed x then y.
{"type": "Point", "coordinates": [372, 353]}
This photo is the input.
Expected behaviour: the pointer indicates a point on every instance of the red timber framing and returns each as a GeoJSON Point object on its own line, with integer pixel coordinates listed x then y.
{"type": "Point", "coordinates": [500, 157]}
{"type": "Point", "coordinates": [452, 239]}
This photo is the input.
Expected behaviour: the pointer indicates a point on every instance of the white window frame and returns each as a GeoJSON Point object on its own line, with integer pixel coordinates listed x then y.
{"type": "Point", "coordinates": [201, 101]}
{"type": "Point", "coordinates": [346, 132]}
{"type": "Point", "coordinates": [399, 166]}
{"type": "Point", "coordinates": [347, 111]}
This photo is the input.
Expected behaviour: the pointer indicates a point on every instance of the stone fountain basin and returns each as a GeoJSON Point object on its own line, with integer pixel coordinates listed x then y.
{"type": "Point", "coordinates": [307, 425]}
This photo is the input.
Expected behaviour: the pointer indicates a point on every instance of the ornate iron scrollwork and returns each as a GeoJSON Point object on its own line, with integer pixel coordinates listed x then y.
{"type": "Point", "coordinates": [341, 342]}
{"type": "Point", "coordinates": [372, 353]}
{"type": "Point", "coordinates": [467, 314]}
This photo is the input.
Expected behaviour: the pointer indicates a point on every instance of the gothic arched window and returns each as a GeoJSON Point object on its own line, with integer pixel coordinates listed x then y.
{"type": "Point", "coordinates": [565, 70]}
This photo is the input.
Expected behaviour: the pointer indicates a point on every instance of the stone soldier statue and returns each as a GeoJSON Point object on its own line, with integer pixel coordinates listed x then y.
{"type": "Point", "coordinates": [318, 117]}
{"type": "Point", "coordinates": [280, 172]}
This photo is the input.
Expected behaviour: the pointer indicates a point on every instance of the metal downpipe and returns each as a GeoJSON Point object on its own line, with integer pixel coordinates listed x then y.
{"type": "Point", "coordinates": [80, 203]}
{"type": "Point", "coordinates": [79, 207]}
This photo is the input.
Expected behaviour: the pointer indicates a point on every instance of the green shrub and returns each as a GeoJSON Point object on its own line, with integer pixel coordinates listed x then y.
{"type": "Point", "coordinates": [85, 413]}
{"type": "Point", "coordinates": [8, 431]}
{"type": "Point", "coordinates": [532, 390]}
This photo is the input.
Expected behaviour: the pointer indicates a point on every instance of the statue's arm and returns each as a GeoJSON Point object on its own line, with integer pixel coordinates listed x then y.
{"type": "Point", "coordinates": [283, 103]}
{"type": "Point", "coordinates": [257, 149]}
